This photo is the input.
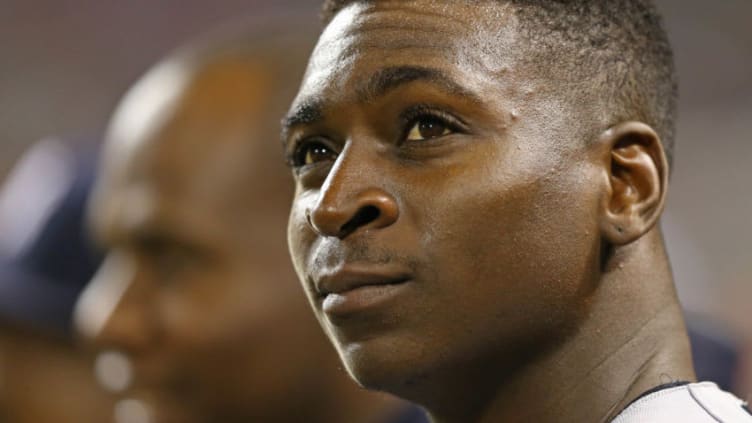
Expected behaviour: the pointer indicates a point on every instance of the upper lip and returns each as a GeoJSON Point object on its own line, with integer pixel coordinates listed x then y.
{"type": "Point", "coordinates": [349, 277]}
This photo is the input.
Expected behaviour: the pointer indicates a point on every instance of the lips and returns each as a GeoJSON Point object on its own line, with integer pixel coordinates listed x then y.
{"type": "Point", "coordinates": [354, 288]}
{"type": "Point", "coordinates": [351, 277]}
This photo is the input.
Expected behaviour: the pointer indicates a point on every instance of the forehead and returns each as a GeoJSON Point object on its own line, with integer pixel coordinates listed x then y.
{"type": "Point", "coordinates": [192, 156]}
{"type": "Point", "coordinates": [185, 101]}
{"type": "Point", "coordinates": [469, 40]}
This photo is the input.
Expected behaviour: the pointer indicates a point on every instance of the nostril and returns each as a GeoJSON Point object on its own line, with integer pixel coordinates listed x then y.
{"type": "Point", "coordinates": [339, 214]}
{"type": "Point", "coordinates": [364, 216]}
{"type": "Point", "coordinates": [309, 219]}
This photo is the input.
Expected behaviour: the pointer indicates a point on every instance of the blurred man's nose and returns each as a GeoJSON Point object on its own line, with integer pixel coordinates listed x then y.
{"type": "Point", "coordinates": [113, 311]}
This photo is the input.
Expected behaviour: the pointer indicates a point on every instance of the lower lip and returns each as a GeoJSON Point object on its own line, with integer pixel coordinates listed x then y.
{"type": "Point", "coordinates": [361, 299]}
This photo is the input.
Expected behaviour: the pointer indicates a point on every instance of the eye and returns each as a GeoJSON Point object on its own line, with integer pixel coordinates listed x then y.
{"type": "Point", "coordinates": [167, 257]}
{"type": "Point", "coordinates": [311, 153]}
{"type": "Point", "coordinates": [428, 127]}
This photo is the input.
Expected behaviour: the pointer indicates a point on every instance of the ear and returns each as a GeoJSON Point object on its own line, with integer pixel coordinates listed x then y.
{"type": "Point", "coordinates": [637, 172]}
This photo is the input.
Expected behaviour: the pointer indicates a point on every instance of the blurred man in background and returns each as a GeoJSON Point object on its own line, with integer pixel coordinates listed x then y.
{"type": "Point", "coordinates": [196, 309]}
{"type": "Point", "coordinates": [46, 260]}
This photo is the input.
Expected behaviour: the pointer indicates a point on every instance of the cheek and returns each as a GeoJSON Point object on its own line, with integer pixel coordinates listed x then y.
{"type": "Point", "coordinates": [518, 249]}
{"type": "Point", "coordinates": [236, 317]}
{"type": "Point", "coordinates": [207, 312]}
{"type": "Point", "coordinates": [219, 304]}
{"type": "Point", "coordinates": [300, 237]}
{"type": "Point", "coordinates": [301, 240]}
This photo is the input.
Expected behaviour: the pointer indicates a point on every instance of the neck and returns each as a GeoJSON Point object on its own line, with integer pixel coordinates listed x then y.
{"type": "Point", "coordinates": [632, 339]}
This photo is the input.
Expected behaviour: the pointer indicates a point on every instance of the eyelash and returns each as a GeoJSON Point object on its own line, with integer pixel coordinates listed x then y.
{"type": "Point", "coordinates": [295, 151]}
{"type": "Point", "coordinates": [409, 118]}
{"type": "Point", "coordinates": [414, 114]}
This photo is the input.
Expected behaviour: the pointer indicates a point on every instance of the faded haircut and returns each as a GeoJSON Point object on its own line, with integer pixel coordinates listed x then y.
{"type": "Point", "coordinates": [617, 51]}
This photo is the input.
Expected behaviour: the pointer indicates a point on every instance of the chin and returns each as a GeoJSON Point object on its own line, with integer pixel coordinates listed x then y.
{"type": "Point", "coordinates": [387, 365]}
{"type": "Point", "coordinates": [374, 370]}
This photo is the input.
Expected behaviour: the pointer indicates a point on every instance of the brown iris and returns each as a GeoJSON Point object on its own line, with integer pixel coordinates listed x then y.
{"type": "Point", "coordinates": [427, 128]}
{"type": "Point", "coordinates": [318, 153]}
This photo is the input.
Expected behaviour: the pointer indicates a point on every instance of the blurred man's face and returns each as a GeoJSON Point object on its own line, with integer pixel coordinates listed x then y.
{"type": "Point", "coordinates": [196, 290]}
{"type": "Point", "coordinates": [444, 212]}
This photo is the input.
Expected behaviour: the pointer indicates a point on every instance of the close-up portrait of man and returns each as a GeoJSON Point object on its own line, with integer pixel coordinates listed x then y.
{"type": "Point", "coordinates": [375, 211]}
{"type": "Point", "coordinates": [478, 187]}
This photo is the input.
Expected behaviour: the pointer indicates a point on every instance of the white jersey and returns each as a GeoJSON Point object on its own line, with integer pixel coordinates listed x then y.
{"type": "Point", "coordinates": [688, 403]}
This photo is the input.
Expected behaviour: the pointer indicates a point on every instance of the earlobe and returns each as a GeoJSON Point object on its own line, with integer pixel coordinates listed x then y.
{"type": "Point", "coordinates": [637, 172]}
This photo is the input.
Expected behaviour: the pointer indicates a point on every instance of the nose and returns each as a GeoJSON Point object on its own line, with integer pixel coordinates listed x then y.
{"type": "Point", "coordinates": [112, 312]}
{"type": "Point", "coordinates": [349, 201]}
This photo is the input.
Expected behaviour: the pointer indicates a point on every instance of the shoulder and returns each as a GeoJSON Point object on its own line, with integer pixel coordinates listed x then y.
{"type": "Point", "coordinates": [690, 403]}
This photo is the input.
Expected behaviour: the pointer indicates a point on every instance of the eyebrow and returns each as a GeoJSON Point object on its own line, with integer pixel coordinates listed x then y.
{"type": "Point", "coordinates": [162, 232]}
{"type": "Point", "coordinates": [378, 85]}
{"type": "Point", "coordinates": [391, 78]}
{"type": "Point", "coordinates": [307, 113]}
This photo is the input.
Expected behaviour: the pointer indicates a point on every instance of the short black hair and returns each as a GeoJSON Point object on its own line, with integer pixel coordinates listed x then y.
{"type": "Point", "coordinates": [617, 48]}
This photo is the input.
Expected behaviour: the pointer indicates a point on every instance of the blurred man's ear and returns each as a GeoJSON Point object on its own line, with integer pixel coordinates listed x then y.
{"type": "Point", "coordinates": [637, 180]}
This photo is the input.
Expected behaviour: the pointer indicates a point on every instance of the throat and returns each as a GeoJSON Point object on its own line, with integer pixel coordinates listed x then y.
{"type": "Point", "coordinates": [582, 383]}
{"type": "Point", "coordinates": [632, 340]}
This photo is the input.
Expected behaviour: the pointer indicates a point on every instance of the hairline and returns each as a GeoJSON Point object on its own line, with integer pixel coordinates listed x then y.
{"type": "Point", "coordinates": [617, 94]}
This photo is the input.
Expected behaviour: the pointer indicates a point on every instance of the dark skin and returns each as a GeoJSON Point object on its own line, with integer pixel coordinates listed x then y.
{"type": "Point", "coordinates": [197, 289]}
{"type": "Point", "coordinates": [461, 243]}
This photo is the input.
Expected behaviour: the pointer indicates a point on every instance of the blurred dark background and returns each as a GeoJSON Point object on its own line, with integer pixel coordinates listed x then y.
{"type": "Point", "coordinates": [65, 63]}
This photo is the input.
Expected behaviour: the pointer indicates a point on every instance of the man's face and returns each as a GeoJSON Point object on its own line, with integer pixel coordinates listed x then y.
{"type": "Point", "coordinates": [445, 209]}
{"type": "Point", "coordinates": [196, 290]}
